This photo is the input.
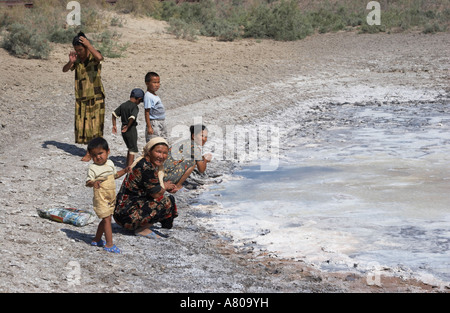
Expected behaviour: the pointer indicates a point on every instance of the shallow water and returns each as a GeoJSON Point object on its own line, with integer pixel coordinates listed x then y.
{"type": "Point", "coordinates": [370, 190]}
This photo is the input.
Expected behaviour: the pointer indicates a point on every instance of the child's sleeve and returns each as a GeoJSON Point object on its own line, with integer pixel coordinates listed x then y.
{"type": "Point", "coordinates": [134, 113]}
{"type": "Point", "coordinates": [111, 163]}
{"type": "Point", "coordinates": [90, 175]}
{"type": "Point", "coordinates": [117, 112]}
{"type": "Point", "coordinates": [146, 101]}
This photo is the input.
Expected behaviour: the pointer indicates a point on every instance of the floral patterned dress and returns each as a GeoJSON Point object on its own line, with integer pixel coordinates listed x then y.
{"type": "Point", "coordinates": [135, 206]}
{"type": "Point", "coordinates": [182, 156]}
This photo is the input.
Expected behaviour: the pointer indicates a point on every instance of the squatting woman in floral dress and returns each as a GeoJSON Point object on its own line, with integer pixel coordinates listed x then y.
{"type": "Point", "coordinates": [141, 201]}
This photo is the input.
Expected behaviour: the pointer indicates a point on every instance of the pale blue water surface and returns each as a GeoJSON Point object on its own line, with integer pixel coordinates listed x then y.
{"type": "Point", "coordinates": [352, 197]}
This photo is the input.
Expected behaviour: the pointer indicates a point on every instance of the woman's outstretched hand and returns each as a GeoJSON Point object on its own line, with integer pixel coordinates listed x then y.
{"type": "Point", "coordinates": [171, 187]}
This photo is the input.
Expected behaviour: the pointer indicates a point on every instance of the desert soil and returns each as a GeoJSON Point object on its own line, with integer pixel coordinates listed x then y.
{"type": "Point", "coordinates": [41, 167]}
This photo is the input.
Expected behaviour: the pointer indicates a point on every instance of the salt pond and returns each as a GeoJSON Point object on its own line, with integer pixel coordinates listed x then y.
{"type": "Point", "coordinates": [371, 189]}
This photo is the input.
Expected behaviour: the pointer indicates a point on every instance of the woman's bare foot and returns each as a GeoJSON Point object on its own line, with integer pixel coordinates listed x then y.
{"type": "Point", "coordinates": [86, 158]}
{"type": "Point", "coordinates": [146, 232]}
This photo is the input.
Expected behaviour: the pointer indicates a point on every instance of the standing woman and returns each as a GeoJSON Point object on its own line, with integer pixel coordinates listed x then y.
{"type": "Point", "coordinates": [89, 92]}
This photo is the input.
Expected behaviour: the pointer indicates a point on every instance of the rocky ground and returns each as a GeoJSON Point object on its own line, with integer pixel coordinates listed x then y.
{"type": "Point", "coordinates": [224, 83]}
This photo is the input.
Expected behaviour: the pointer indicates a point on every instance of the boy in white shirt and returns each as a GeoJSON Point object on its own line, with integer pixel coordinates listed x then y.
{"type": "Point", "coordinates": [155, 113]}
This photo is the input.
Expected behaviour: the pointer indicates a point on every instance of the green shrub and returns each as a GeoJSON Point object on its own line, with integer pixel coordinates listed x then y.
{"type": "Point", "coordinates": [63, 35]}
{"type": "Point", "coordinates": [281, 21]}
{"type": "Point", "coordinates": [25, 42]}
{"type": "Point", "coordinates": [371, 29]}
{"type": "Point", "coordinates": [92, 21]}
{"type": "Point", "coordinates": [197, 13]}
{"type": "Point", "coordinates": [258, 22]}
{"type": "Point", "coordinates": [6, 19]}
{"type": "Point", "coordinates": [223, 29]}
{"type": "Point", "coordinates": [28, 31]}
{"type": "Point", "coordinates": [183, 30]}
{"type": "Point", "coordinates": [117, 21]}
{"type": "Point", "coordinates": [326, 20]}
{"type": "Point", "coordinates": [166, 11]}
{"type": "Point", "coordinates": [106, 43]}
{"type": "Point", "coordinates": [433, 28]}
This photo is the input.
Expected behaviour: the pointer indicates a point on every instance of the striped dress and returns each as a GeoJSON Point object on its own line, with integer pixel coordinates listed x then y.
{"type": "Point", "coordinates": [89, 100]}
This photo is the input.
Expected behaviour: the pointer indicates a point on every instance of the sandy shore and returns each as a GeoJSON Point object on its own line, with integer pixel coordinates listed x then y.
{"type": "Point", "coordinates": [41, 167]}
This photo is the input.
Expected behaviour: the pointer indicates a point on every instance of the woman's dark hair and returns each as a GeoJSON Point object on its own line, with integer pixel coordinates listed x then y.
{"type": "Point", "coordinates": [98, 142]}
{"type": "Point", "coordinates": [195, 129]}
{"type": "Point", "coordinates": [76, 39]}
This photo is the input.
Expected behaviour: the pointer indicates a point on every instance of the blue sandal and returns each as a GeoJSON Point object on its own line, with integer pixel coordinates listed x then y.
{"type": "Point", "coordinates": [100, 243]}
{"type": "Point", "coordinates": [113, 249]}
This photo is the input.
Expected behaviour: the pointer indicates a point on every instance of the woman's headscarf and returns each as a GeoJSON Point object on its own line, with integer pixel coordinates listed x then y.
{"type": "Point", "coordinates": [154, 141]}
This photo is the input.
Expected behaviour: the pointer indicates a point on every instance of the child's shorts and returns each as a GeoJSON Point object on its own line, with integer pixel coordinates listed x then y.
{"type": "Point", "coordinates": [159, 130]}
{"type": "Point", "coordinates": [130, 137]}
{"type": "Point", "coordinates": [105, 198]}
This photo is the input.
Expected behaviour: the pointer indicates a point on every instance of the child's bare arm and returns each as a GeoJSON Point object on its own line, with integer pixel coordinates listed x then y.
{"type": "Point", "coordinates": [122, 172]}
{"type": "Point", "coordinates": [95, 184]}
{"type": "Point", "coordinates": [126, 127]}
{"type": "Point", "coordinates": [147, 121]}
{"type": "Point", "coordinates": [97, 55]}
{"type": "Point", "coordinates": [114, 128]}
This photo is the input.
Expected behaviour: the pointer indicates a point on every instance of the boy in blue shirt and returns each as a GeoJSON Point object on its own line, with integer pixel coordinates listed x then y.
{"type": "Point", "coordinates": [155, 113]}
